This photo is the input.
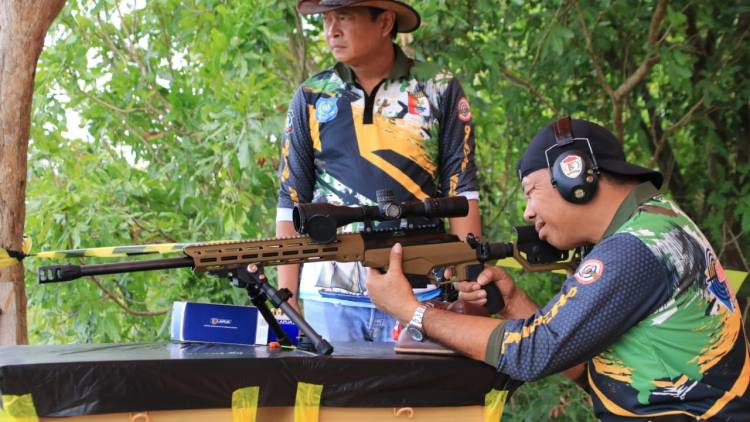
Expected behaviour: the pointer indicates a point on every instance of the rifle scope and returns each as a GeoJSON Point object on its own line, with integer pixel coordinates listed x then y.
{"type": "Point", "coordinates": [321, 220]}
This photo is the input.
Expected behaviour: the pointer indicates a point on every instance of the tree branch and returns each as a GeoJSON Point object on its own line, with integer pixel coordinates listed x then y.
{"type": "Point", "coordinates": [733, 240]}
{"type": "Point", "coordinates": [673, 179]}
{"type": "Point", "coordinates": [164, 235]}
{"type": "Point", "coordinates": [652, 57]}
{"type": "Point", "coordinates": [687, 118]}
{"type": "Point", "coordinates": [120, 302]}
{"type": "Point", "coordinates": [590, 50]}
{"type": "Point", "coordinates": [110, 105]}
{"type": "Point", "coordinates": [543, 39]}
{"type": "Point", "coordinates": [684, 120]}
{"type": "Point", "coordinates": [529, 87]}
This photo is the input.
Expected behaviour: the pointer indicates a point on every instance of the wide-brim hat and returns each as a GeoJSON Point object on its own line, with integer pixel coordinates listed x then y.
{"type": "Point", "coordinates": [608, 152]}
{"type": "Point", "coordinates": [407, 19]}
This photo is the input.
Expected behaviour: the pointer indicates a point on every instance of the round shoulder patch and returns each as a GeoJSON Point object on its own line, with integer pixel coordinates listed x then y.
{"type": "Point", "coordinates": [463, 109]}
{"type": "Point", "coordinates": [590, 271]}
{"type": "Point", "coordinates": [326, 109]}
{"type": "Point", "coordinates": [571, 166]}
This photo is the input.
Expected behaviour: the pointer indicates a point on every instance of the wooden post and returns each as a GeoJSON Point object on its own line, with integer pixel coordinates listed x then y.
{"type": "Point", "coordinates": [23, 26]}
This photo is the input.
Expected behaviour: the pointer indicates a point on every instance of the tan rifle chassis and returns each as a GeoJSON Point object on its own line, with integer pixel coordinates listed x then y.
{"type": "Point", "coordinates": [421, 254]}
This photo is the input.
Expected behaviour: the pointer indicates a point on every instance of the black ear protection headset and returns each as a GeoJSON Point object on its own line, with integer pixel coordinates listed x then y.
{"type": "Point", "coordinates": [575, 173]}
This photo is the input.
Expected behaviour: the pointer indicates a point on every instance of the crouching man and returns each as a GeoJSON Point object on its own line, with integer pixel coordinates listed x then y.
{"type": "Point", "coordinates": [648, 323]}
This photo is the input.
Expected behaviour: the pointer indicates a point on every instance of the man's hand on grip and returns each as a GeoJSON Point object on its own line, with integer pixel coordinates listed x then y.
{"type": "Point", "coordinates": [517, 304]}
{"type": "Point", "coordinates": [391, 292]}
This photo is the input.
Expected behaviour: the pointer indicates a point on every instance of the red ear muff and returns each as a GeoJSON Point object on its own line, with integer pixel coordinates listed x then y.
{"type": "Point", "coordinates": [574, 172]}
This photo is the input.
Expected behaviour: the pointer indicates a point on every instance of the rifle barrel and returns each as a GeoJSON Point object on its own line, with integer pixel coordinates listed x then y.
{"type": "Point", "coordinates": [58, 273]}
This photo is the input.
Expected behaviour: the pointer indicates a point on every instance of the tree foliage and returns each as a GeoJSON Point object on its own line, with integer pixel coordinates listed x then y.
{"type": "Point", "coordinates": [181, 104]}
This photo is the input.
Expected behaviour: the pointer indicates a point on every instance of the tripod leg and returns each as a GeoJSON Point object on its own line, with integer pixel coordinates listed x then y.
{"type": "Point", "coordinates": [259, 300]}
{"type": "Point", "coordinates": [320, 344]}
{"type": "Point", "coordinates": [253, 275]}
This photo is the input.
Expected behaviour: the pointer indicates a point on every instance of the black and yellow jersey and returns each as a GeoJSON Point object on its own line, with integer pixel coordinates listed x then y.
{"type": "Point", "coordinates": [412, 135]}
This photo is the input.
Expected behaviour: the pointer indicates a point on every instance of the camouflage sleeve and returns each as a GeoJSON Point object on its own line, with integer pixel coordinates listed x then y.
{"type": "Point", "coordinates": [619, 283]}
{"type": "Point", "coordinates": [458, 173]}
{"type": "Point", "coordinates": [296, 166]}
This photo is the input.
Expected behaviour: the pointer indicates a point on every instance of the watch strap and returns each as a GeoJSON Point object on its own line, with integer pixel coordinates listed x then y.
{"type": "Point", "coordinates": [418, 316]}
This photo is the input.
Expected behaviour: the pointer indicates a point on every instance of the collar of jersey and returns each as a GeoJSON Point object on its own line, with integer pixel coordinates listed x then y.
{"type": "Point", "coordinates": [400, 68]}
{"type": "Point", "coordinates": [630, 204]}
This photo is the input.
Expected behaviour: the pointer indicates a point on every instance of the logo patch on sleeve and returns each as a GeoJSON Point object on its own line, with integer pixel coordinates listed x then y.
{"type": "Point", "coordinates": [590, 271]}
{"type": "Point", "coordinates": [289, 118]}
{"type": "Point", "coordinates": [463, 109]}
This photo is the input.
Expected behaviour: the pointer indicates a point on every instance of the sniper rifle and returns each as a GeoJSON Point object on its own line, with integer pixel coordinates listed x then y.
{"type": "Point", "coordinates": [427, 249]}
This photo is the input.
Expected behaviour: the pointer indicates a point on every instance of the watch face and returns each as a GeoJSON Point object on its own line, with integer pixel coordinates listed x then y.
{"type": "Point", "coordinates": [414, 333]}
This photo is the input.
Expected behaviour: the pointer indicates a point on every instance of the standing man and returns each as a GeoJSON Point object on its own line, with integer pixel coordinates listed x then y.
{"type": "Point", "coordinates": [375, 120]}
{"type": "Point", "coordinates": [648, 312]}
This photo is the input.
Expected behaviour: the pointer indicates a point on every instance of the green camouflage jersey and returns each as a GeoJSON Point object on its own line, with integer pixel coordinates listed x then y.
{"type": "Point", "coordinates": [650, 310]}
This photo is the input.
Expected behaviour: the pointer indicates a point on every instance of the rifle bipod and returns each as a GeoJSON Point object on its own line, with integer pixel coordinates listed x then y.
{"type": "Point", "coordinates": [253, 280]}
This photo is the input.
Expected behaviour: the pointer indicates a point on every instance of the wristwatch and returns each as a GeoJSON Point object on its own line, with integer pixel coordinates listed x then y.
{"type": "Point", "coordinates": [415, 330]}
